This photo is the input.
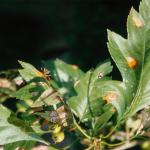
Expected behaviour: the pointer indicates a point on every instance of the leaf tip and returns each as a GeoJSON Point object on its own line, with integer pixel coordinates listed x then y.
{"type": "Point", "coordinates": [136, 19]}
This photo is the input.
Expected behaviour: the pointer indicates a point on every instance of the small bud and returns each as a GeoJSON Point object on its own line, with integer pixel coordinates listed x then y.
{"type": "Point", "coordinates": [39, 74]}
{"type": "Point", "coordinates": [56, 128]}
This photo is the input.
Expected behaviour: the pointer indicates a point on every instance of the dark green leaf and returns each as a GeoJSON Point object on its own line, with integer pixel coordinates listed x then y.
{"type": "Point", "coordinates": [102, 120]}
{"type": "Point", "coordinates": [10, 133]}
{"type": "Point", "coordinates": [63, 72]}
{"type": "Point", "coordinates": [30, 91]}
{"type": "Point", "coordinates": [64, 75]}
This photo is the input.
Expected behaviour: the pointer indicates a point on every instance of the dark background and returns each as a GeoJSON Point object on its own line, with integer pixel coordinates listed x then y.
{"type": "Point", "coordinates": [72, 30]}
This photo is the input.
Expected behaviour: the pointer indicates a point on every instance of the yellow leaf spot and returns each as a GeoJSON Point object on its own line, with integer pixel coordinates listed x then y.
{"type": "Point", "coordinates": [111, 96]}
{"type": "Point", "coordinates": [113, 110]}
{"type": "Point", "coordinates": [138, 22]}
{"type": "Point", "coordinates": [29, 102]}
{"type": "Point", "coordinates": [74, 67]}
{"type": "Point", "coordinates": [132, 63]}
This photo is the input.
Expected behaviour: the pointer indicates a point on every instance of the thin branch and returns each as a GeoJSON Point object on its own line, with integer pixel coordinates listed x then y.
{"type": "Point", "coordinates": [81, 130]}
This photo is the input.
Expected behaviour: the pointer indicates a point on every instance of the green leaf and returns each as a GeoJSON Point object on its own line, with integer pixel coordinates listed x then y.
{"type": "Point", "coordinates": [84, 105]}
{"type": "Point", "coordinates": [63, 72]}
{"type": "Point", "coordinates": [28, 72]}
{"type": "Point", "coordinates": [27, 145]}
{"type": "Point", "coordinates": [113, 88]}
{"type": "Point", "coordinates": [44, 115]}
{"type": "Point", "coordinates": [102, 120]}
{"type": "Point", "coordinates": [30, 91]}
{"type": "Point", "coordinates": [10, 133]}
{"type": "Point", "coordinates": [9, 74]}
{"type": "Point", "coordinates": [120, 52]}
{"type": "Point", "coordinates": [7, 87]}
{"type": "Point", "coordinates": [64, 75]}
{"type": "Point", "coordinates": [5, 93]}
{"type": "Point", "coordinates": [137, 47]}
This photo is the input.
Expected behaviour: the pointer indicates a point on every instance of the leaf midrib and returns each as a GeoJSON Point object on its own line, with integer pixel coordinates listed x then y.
{"type": "Point", "coordinates": [135, 101]}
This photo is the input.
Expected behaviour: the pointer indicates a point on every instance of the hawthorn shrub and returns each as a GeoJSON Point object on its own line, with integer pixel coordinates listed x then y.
{"type": "Point", "coordinates": [63, 107]}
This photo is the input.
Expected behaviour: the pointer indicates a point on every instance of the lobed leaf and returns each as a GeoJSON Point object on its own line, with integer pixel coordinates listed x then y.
{"type": "Point", "coordinates": [84, 105]}
{"type": "Point", "coordinates": [137, 48]}
{"type": "Point", "coordinates": [63, 72]}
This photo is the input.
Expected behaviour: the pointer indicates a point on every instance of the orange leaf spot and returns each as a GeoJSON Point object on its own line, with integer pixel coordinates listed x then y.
{"type": "Point", "coordinates": [109, 97]}
{"type": "Point", "coordinates": [132, 63]}
{"type": "Point", "coordinates": [39, 74]}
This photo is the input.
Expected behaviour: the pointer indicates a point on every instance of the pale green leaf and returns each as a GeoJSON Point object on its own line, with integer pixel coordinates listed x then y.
{"type": "Point", "coordinates": [28, 72]}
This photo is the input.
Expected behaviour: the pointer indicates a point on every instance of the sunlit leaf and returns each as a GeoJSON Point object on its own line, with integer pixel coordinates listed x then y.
{"type": "Point", "coordinates": [29, 72]}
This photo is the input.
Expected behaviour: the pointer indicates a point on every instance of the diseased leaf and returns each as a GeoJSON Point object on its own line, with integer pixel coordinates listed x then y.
{"type": "Point", "coordinates": [118, 48]}
{"type": "Point", "coordinates": [132, 57]}
{"type": "Point", "coordinates": [113, 92]}
{"type": "Point", "coordinates": [85, 105]}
